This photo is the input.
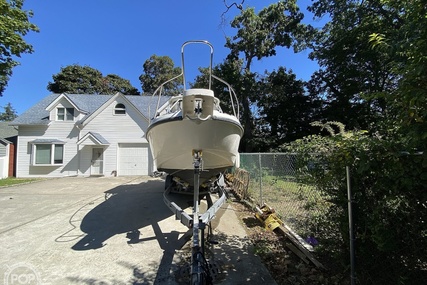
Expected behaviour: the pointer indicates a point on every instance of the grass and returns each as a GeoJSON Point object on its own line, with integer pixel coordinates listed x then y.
{"type": "Point", "coordinates": [296, 204]}
{"type": "Point", "coordinates": [13, 181]}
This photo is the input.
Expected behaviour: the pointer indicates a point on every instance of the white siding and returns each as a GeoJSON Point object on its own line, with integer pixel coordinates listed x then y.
{"type": "Point", "coordinates": [3, 149]}
{"type": "Point", "coordinates": [4, 161]}
{"type": "Point", "coordinates": [116, 129]}
{"type": "Point", "coordinates": [64, 131]}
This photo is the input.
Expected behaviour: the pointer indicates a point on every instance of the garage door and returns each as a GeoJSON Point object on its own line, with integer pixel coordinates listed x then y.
{"type": "Point", "coordinates": [133, 159]}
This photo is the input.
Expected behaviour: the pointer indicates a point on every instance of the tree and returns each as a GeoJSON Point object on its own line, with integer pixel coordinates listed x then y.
{"type": "Point", "coordinates": [9, 113]}
{"type": "Point", "coordinates": [285, 109]}
{"type": "Point", "coordinates": [351, 73]}
{"type": "Point", "coordinates": [258, 36]}
{"type": "Point", "coordinates": [157, 70]}
{"type": "Point", "coordinates": [14, 25]}
{"type": "Point", "coordinates": [405, 42]}
{"type": "Point", "coordinates": [114, 83]}
{"type": "Point", "coordinates": [389, 211]}
{"type": "Point", "coordinates": [76, 79]}
{"type": "Point", "coordinates": [373, 58]}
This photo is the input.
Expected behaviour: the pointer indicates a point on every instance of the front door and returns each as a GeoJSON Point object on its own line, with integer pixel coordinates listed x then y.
{"type": "Point", "coordinates": [97, 161]}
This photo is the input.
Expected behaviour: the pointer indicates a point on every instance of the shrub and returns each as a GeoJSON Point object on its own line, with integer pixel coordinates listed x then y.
{"type": "Point", "coordinates": [390, 203]}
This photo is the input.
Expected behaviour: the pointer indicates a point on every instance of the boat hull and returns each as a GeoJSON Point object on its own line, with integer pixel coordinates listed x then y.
{"type": "Point", "coordinates": [173, 141]}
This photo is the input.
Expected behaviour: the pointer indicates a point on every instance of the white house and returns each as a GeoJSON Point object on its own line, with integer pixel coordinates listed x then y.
{"type": "Point", "coordinates": [84, 135]}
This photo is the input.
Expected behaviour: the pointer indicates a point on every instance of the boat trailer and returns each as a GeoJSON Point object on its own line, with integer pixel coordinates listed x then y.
{"type": "Point", "coordinates": [199, 270]}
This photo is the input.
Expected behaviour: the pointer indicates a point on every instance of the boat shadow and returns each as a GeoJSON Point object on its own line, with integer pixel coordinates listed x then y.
{"type": "Point", "coordinates": [127, 209]}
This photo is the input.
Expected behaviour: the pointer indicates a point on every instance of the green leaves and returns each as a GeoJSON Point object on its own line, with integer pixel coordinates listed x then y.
{"type": "Point", "coordinates": [14, 24]}
{"type": "Point", "coordinates": [352, 72]}
{"type": "Point", "coordinates": [378, 41]}
{"type": "Point", "coordinates": [76, 79]}
{"type": "Point", "coordinates": [389, 195]}
{"type": "Point", "coordinates": [260, 34]}
{"type": "Point", "coordinates": [284, 108]}
{"type": "Point", "coordinates": [9, 113]}
{"type": "Point", "coordinates": [157, 70]}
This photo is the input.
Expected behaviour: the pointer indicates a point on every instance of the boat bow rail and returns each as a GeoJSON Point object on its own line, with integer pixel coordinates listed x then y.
{"type": "Point", "coordinates": [196, 103]}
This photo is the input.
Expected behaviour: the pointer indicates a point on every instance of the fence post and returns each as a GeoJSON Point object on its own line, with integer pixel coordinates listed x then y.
{"type": "Point", "coordinates": [350, 225]}
{"type": "Point", "coordinates": [260, 179]}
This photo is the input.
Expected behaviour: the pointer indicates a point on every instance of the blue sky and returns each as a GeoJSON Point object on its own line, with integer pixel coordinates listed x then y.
{"type": "Point", "coordinates": [117, 37]}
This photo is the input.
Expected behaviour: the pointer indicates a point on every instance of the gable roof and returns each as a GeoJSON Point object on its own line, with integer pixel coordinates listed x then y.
{"type": "Point", "coordinates": [58, 99]}
{"type": "Point", "coordinates": [90, 103]}
{"type": "Point", "coordinates": [88, 118]}
{"type": "Point", "coordinates": [93, 139]}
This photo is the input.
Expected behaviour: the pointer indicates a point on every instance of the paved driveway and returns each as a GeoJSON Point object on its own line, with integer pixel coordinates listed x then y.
{"type": "Point", "coordinates": [106, 231]}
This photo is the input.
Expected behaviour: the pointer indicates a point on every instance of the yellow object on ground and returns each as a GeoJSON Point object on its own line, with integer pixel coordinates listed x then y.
{"type": "Point", "coordinates": [269, 217]}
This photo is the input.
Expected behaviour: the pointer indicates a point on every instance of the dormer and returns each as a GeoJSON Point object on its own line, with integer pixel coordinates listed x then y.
{"type": "Point", "coordinates": [64, 113]}
{"type": "Point", "coordinates": [62, 109]}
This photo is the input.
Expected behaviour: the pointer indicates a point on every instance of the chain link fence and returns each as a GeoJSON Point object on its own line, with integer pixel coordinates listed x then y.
{"type": "Point", "coordinates": [273, 182]}
{"type": "Point", "coordinates": [389, 209]}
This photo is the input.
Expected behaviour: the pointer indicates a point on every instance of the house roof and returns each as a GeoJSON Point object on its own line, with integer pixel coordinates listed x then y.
{"type": "Point", "coordinates": [38, 115]}
{"type": "Point", "coordinates": [7, 131]}
{"type": "Point", "coordinates": [4, 142]}
{"type": "Point", "coordinates": [58, 99]}
{"type": "Point", "coordinates": [47, 141]}
{"type": "Point", "coordinates": [92, 115]}
{"type": "Point", "coordinates": [92, 138]}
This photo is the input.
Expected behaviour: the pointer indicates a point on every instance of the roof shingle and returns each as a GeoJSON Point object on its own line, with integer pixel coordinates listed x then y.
{"type": "Point", "coordinates": [38, 115]}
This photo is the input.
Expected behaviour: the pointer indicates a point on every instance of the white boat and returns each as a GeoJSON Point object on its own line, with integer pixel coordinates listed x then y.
{"type": "Point", "coordinates": [193, 123]}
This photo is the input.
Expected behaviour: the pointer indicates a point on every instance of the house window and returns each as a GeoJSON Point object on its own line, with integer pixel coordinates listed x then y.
{"type": "Point", "coordinates": [120, 109]}
{"type": "Point", "coordinates": [48, 154]}
{"type": "Point", "coordinates": [65, 114]}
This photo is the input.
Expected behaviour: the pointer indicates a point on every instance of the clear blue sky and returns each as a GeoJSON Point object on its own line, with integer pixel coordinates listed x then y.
{"type": "Point", "coordinates": [117, 37]}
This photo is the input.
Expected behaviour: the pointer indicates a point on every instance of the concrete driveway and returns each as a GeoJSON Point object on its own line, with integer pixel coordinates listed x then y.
{"type": "Point", "coordinates": [109, 231]}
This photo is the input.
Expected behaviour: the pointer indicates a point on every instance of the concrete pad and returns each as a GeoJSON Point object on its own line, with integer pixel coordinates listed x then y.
{"type": "Point", "coordinates": [113, 230]}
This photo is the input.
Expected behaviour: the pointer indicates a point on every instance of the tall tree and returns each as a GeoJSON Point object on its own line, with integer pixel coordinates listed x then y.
{"type": "Point", "coordinates": [78, 79]}
{"type": "Point", "coordinates": [157, 70]}
{"type": "Point", "coordinates": [9, 113]}
{"type": "Point", "coordinates": [373, 57]}
{"type": "Point", "coordinates": [285, 110]}
{"type": "Point", "coordinates": [405, 42]}
{"type": "Point", "coordinates": [114, 83]}
{"type": "Point", "coordinates": [14, 25]}
{"type": "Point", "coordinates": [258, 36]}
{"type": "Point", "coordinates": [351, 72]}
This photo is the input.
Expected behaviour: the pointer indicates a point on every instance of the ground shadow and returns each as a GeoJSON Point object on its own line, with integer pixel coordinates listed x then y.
{"type": "Point", "coordinates": [251, 222]}
{"type": "Point", "coordinates": [126, 209]}
{"type": "Point", "coordinates": [231, 261]}
{"type": "Point", "coordinates": [129, 208]}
